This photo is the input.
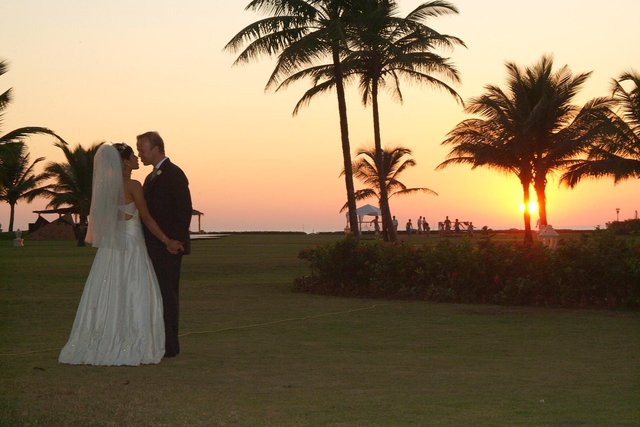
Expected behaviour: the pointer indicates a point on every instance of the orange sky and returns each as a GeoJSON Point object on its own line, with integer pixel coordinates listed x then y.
{"type": "Point", "coordinates": [107, 71]}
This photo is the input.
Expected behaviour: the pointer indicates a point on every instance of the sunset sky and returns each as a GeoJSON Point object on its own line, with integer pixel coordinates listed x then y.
{"type": "Point", "coordinates": [107, 71]}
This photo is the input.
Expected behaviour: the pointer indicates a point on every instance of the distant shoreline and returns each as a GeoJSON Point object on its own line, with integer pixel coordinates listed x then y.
{"type": "Point", "coordinates": [5, 235]}
{"type": "Point", "coordinates": [434, 232]}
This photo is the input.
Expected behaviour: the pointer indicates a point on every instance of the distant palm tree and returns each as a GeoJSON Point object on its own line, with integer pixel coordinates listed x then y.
{"type": "Point", "coordinates": [382, 48]}
{"type": "Point", "coordinates": [616, 150]}
{"type": "Point", "coordinates": [483, 142]}
{"type": "Point", "coordinates": [531, 130]}
{"type": "Point", "coordinates": [394, 161]}
{"type": "Point", "coordinates": [17, 177]}
{"type": "Point", "coordinates": [556, 129]}
{"type": "Point", "coordinates": [72, 183]}
{"type": "Point", "coordinates": [18, 135]}
{"type": "Point", "coordinates": [301, 31]}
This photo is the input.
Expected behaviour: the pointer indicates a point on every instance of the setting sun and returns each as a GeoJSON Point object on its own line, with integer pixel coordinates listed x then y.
{"type": "Point", "coordinates": [533, 207]}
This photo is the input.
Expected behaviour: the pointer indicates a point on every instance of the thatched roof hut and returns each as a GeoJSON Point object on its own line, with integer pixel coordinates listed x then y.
{"type": "Point", "coordinates": [60, 229]}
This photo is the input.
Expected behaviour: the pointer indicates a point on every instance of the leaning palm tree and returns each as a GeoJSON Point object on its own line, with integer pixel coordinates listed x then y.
{"type": "Point", "coordinates": [18, 135]}
{"type": "Point", "coordinates": [300, 32]}
{"type": "Point", "coordinates": [18, 179]}
{"type": "Point", "coordinates": [383, 48]}
{"type": "Point", "coordinates": [616, 150]}
{"type": "Point", "coordinates": [72, 183]}
{"type": "Point", "coordinates": [394, 161]}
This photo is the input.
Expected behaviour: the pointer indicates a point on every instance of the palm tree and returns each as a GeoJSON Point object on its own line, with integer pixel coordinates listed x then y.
{"type": "Point", "coordinates": [559, 151]}
{"type": "Point", "coordinates": [14, 137]}
{"type": "Point", "coordinates": [486, 142]}
{"type": "Point", "coordinates": [17, 177]}
{"type": "Point", "coordinates": [615, 151]}
{"type": "Point", "coordinates": [72, 183]}
{"type": "Point", "coordinates": [530, 130]}
{"type": "Point", "coordinates": [300, 31]}
{"type": "Point", "coordinates": [394, 161]}
{"type": "Point", "coordinates": [383, 48]}
{"type": "Point", "coordinates": [556, 129]}
{"type": "Point", "coordinates": [18, 135]}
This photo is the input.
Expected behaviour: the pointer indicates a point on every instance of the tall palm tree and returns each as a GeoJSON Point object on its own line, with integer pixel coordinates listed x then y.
{"type": "Point", "coordinates": [555, 129]}
{"type": "Point", "coordinates": [18, 135]}
{"type": "Point", "coordinates": [300, 32]}
{"type": "Point", "coordinates": [72, 183]}
{"type": "Point", "coordinates": [383, 48]}
{"type": "Point", "coordinates": [394, 161]}
{"type": "Point", "coordinates": [531, 130]}
{"type": "Point", "coordinates": [615, 151]}
{"type": "Point", "coordinates": [17, 177]}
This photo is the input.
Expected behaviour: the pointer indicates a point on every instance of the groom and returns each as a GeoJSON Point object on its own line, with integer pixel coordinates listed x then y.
{"type": "Point", "coordinates": [166, 191]}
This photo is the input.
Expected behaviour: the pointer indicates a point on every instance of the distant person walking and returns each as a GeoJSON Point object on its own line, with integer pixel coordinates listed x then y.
{"type": "Point", "coordinates": [376, 224]}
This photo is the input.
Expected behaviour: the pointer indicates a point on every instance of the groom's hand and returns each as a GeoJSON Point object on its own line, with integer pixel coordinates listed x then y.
{"type": "Point", "coordinates": [175, 247]}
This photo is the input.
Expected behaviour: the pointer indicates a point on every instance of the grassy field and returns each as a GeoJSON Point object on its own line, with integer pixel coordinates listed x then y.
{"type": "Point", "coordinates": [254, 353]}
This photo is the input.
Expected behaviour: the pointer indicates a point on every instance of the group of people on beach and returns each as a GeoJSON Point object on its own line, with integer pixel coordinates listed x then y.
{"type": "Point", "coordinates": [129, 310]}
{"type": "Point", "coordinates": [458, 226]}
{"type": "Point", "coordinates": [423, 226]}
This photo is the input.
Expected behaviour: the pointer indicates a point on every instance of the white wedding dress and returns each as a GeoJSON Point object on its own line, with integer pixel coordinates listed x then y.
{"type": "Point", "coordinates": [119, 319]}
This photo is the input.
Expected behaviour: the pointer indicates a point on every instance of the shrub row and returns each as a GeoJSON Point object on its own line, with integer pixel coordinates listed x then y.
{"type": "Point", "coordinates": [599, 270]}
{"type": "Point", "coordinates": [629, 226]}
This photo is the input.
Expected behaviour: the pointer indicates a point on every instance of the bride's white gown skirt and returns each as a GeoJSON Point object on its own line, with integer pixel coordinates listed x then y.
{"type": "Point", "coordinates": [119, 318]}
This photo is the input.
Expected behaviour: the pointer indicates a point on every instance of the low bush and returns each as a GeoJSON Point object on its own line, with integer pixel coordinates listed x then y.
{"type": "Point", "coordinates": [599, 270]}
{"type": "Point", "coordinates": [629, 226]}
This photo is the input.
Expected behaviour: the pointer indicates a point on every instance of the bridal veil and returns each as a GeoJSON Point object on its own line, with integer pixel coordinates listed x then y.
{"type": "Point", "coordinates": [106, 219]}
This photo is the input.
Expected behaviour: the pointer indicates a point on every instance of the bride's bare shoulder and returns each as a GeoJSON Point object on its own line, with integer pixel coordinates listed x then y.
{"type": "Point", "coordinates": [132, 190]}
{"type": "Point", "coordinates": [132, 183]}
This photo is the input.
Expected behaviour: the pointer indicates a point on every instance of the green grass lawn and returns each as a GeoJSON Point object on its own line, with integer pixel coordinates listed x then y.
{"type": "Point", "coordinates": [255, 353]}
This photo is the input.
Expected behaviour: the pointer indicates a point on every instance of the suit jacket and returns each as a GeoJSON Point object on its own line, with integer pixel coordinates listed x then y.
{"type": "Point", "coordinates": [169, 200]}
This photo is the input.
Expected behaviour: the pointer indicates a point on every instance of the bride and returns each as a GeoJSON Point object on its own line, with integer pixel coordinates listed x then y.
{"type": "Point", "coordinates": [119, 318]}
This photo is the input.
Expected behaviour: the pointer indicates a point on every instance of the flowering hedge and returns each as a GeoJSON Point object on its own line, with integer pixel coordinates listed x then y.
{"type": "Point", "coordinates": [599, 270]}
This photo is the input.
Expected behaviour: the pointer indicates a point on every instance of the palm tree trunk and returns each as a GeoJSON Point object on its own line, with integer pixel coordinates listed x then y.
{"type": "Point", "coordinates": [81, 230]}
{"type": "Point", "coordinates": [542, 201]}
{"type": "Point", "coordinates": [11, 215]}
{"type": "Point", "coordinates": [387, 223]}
{"type": "Point", "coordinates": [528, 235]}
{"type": "Point", "coordinates": [346, 147]}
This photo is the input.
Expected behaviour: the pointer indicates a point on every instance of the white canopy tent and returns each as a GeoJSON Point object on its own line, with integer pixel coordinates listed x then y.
{"type": "Point", "coordinates": [362, 211]}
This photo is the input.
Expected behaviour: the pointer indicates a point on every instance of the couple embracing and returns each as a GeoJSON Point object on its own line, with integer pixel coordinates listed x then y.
{"type": "Point", "coordinates": [129, 310]}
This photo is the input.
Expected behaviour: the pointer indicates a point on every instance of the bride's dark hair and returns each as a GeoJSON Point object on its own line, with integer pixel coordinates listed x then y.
{"type": "Point", "coordinates": [124, 150]}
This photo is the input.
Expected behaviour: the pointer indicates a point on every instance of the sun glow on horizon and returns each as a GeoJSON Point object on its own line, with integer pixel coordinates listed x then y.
{"type": "Point", "coordinates": [533, 207]}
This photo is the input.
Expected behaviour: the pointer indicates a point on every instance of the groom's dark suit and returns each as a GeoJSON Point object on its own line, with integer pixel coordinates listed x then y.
{"type": "Point", "coordinates": [166, 191]}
